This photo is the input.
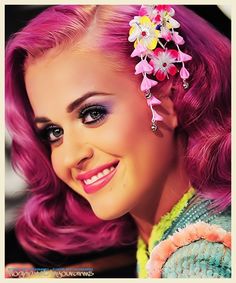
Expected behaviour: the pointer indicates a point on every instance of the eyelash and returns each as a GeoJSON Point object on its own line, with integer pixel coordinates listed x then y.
{"type": "Point", "coordinates": [91, 108]}
{"type": "Point", "coordinates": [85, 112]}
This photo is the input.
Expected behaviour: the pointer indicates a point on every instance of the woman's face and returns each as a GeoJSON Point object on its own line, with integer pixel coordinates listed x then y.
{"type": "Point", "coordinates": [97, 123]}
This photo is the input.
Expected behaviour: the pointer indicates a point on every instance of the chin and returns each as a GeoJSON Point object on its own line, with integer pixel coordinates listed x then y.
{"type": "Point", "coordinates": [108, 215]}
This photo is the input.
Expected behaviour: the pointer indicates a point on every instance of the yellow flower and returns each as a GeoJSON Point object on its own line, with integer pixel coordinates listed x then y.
{"type": "Point", "coordinates": [143, 31]}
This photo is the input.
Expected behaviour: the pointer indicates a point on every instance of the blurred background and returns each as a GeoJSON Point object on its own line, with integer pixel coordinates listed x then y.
{"type": "Point", "coordinates": [122, 261]}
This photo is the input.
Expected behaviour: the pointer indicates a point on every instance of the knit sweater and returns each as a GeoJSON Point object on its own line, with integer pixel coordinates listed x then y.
{"type": "Point", "coordinates": [197, 244]}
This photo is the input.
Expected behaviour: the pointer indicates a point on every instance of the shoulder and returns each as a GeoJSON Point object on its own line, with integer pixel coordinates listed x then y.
{"type": "Point", "coordinates": [200, 259]}
{"type": "Point", "coordinates": [200, 250]}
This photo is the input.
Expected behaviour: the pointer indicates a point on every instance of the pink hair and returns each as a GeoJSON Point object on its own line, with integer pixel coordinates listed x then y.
{"type": "Point", "coordinates": [54, 218]}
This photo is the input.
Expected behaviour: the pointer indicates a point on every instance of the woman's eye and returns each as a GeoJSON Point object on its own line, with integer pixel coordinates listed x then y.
{"type": "Point", "coordinates": [89, 115]}
{"type": "Point", "coordinates": [92, 114]}
{"type": "Point", "coordinates": [51, 133]}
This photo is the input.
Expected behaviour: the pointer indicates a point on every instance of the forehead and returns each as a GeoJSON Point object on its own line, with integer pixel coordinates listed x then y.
{"type": "Point", "coordinates": [66, 61]}
{"type": "Point", "coordinates": [57, 68]}
{"type": "Point", "coordinates": [66, 74]}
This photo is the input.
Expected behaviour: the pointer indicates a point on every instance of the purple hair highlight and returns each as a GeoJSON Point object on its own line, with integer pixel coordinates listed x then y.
{"type": "Point", "coordinates": [55, 218]}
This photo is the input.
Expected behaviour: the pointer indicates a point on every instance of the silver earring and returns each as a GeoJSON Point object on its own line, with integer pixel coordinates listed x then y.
{"type": "Point", "coordinates": [185, 84]}
{"type": "Point", "coordinates": [154, 127]}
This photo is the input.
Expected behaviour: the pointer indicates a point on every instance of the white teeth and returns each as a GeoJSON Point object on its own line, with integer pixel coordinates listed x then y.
{"type": "Point", "coordinates": [94, 178]}
{"type": "Point", "coordinates": [105, 171]}
{"type": "Point", "coordinates": [98, 176]}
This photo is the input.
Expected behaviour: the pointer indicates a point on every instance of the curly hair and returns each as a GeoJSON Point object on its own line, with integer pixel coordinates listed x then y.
{"type": "Point", "coordinates": [55, 218]}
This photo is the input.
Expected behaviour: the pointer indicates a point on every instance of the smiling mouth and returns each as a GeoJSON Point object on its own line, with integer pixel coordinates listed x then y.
{"type": "Point", "coordinates": [97, 178]}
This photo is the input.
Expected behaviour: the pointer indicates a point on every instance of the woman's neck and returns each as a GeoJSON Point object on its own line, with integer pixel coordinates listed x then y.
{"type": "Point", "coordinates": [161, 201]}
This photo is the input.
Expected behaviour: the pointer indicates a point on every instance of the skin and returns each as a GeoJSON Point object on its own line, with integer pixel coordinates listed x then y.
{"type": "Point", "coordinates": [150, 177]}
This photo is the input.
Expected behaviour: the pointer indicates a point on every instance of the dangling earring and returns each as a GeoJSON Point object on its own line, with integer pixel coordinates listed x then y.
{"type": "Point", "coordinates": [151, 101]}
{"type": "Point", "coordinates": [151, 31]}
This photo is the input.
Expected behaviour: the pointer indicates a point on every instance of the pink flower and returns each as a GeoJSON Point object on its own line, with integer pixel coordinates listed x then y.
{"type": "Point", "coordinates": [183, 57]}
{"type": "Point", "coordinates": [153, 101]}
{"type": "Point", "coordinates": [164, 16]}
{"type": "Point", "coordinates": [177, 38]}
{"type": "Point", "coordinates": [166, 8]}
{"type": "Point", "coordinates": [142, 67]}
{"type": "Point", "coordinates": [166, 34]}
{"type": "Point", "coordinates": [156, 116]}
{"type": "Point", "coordinates": [147, 84]}
{"type": "Point", "coordinates": [163, 63]}
{"type": "Point", "coordinates": [184, 74]}
{"type": "Point", "coordinates": [164, 12]}
{"type": "Point", "coordinates": [139, 50]}
{"type": "Point", "coordinates": [148, 10]}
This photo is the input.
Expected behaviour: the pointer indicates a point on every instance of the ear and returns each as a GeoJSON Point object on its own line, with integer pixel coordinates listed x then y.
{"type": "Point", "coordinates": [166, 108]}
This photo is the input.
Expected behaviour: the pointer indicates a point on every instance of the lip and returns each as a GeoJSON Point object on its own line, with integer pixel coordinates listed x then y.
{"type": "Point", "coordinates": [100, 183]}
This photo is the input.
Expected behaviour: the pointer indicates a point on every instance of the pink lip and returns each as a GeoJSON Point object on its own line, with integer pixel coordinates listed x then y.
{"type": "Point", "coordinates": [99, 184]}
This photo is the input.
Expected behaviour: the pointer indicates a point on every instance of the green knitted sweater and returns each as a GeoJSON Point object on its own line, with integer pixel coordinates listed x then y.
{"type": "Point", "coordinates": [200, 258]}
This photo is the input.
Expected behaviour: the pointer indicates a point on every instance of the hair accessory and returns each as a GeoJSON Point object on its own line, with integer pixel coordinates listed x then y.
{"type": "Point", "coordinates": [151, 31]}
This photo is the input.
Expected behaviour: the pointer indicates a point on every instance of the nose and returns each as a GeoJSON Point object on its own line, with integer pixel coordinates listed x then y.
{"type": "Point", "coordinates": [76, 151]}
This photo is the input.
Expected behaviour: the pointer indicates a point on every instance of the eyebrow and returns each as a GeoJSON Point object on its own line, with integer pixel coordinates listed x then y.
{"type": "Point", "coordinates": [73, 105]}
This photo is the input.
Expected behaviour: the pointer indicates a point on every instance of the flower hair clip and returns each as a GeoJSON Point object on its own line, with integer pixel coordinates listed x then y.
{"type": "Point", "coordinates": [151, 31]}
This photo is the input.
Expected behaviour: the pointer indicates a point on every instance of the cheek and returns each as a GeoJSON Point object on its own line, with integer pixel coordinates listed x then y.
{"type": "Point", "coordinates": [57, 164]}
{"type": "Point", "coordinates": [146, 155]}
{"type": "Point", "coordinates": [123, 132]}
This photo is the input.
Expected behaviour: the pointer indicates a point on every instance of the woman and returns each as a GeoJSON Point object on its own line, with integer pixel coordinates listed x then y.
{"type": "Point", "coordinates": [98, 157]}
